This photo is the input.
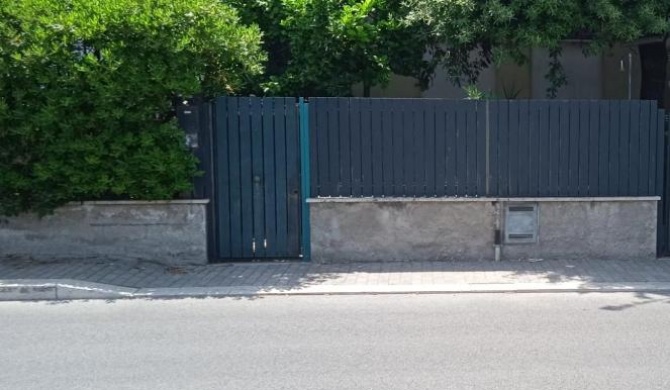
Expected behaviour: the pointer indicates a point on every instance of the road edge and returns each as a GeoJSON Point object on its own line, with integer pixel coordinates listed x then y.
{"type": "Point", "coordinates": [67, 289]}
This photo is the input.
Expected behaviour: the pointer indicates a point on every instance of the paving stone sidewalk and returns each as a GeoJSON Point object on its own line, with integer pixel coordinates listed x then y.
{"type": "Point", "coordinates": [290, 276]}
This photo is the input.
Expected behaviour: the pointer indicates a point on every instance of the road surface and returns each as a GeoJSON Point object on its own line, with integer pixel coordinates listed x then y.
{"type": "Point", "coordinates": [386, 342]}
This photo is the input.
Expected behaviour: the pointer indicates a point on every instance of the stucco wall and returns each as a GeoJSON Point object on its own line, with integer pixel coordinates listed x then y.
{"type": "Point", "coordinates": [619, 230]}
{"type": "Point", "coordinates": [172, 232]}
{"type": "Point", "coordinates": [400, 231]}
{"type": "Point", "coordinates": [584, 73]}
{"type": "Point", "coordinates": [463, 229]}
{"type": "Point", "coordinates": [442, 86]}
{"type": "Point", "coordinates": [398, 87]}
{"type": "Point", "coordinates": [615, 72]}
{"type": "Point", "coordinates": [513, 81]}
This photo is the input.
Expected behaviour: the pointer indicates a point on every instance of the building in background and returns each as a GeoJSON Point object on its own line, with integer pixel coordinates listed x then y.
{"type": "Point", "coordinates": [634, 71]}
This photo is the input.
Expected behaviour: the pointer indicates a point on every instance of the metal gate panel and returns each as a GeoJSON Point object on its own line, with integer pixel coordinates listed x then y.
{"type": "Point", "coordinates": [257, 172]}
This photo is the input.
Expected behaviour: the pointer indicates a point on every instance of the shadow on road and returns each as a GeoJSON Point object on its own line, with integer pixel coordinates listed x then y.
{"type": "Point", "coordinates": [641, 299]}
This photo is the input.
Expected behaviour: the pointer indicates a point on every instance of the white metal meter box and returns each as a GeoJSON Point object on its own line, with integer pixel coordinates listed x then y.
{"type": "Point", "coordinates": [521, 223]}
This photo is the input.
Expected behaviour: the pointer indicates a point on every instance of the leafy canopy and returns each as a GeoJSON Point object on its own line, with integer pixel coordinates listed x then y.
{"type": "Point", "coordinates": [323, 47]}
{"type": "Point", "coordinates": [87, 93]}
{"type": "Point", "coordinates": [495, 29]}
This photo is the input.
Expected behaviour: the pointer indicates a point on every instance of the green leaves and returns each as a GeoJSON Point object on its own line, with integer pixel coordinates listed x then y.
{"type": "Point", "coordinates": [323, 47]}
{"type": "Point", "coordinates": [497, 27]}
{"type": "Point", "coordinates": [86, 94]}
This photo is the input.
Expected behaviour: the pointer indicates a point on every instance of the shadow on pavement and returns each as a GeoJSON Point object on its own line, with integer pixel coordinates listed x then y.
{"type": "Point", "coordinates": [288, 276]}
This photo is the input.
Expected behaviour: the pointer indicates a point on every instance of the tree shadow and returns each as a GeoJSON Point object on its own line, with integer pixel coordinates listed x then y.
{"type": "Point", "coordinates": [642, 299]}
{"type": "Point", "coordinates": [638, 277]}
{"type": "Point", "coordinates": [253, 280]}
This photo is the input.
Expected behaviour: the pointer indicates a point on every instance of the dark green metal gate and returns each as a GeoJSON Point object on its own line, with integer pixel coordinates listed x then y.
{"type": "Point", "coordinates": [664, 205]}
{"type": "Point", "coordinates": [257, 178]}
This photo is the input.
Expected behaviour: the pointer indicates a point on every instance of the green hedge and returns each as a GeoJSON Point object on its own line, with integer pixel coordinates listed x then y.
{"type": "Point", "coordinates": [87, 92]}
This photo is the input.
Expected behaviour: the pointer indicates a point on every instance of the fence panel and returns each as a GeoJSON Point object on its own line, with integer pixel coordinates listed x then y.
{"type": "Point", "coordinates": [398, 150]}
{"type": "Point", "coordinates": [376, 179]}
{"type": "Point", "coordinates": [574, 148]}
{"type": "Point", "coordinates": [431, 146]}
{"type": "Point", "coordinates": [482, 149]}
{"type": "Point", "coordinates": [513, 140]}
{"type": "Point", "coordinates": [439, 111]}
{"type": "Point", "coordinates": [493, 140]}
{"type": "Point", "coordinates": [435, 148]}
{"type": "Point", "coordinates": [564, 154]}
{"type": "Point", "coordinates": [524, 151]}
{"type": "Point", "coordinates": [502, 124]}
{"type": "Point", "coordinates": [470, 113]}
{"type": "Point", "coordinates": [234, 187]}
{"type": "Point", "coordinates": [257, 169]}
{"type": "Point", "coordinates": [222, 152]}
{"type": "Point", "coordinates": [451, 147]}
{"type": "Point", "coordinates": [367, 149]}
{"type": "Point", "coordinates": [357, 147]}
{"type": "Point", "coordinates": [663, 183]}
{"type": "Point", "coordinates": [269, 108]}
{"type": "Point", "coordinates": [624, 146]}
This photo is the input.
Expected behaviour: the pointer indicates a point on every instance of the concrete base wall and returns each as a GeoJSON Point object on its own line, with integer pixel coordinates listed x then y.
{"type": "Point", "coordinates": [592, 230]}
{"type": "Point", "coordinates": [170, 232]}
{"type": "Point", "coordinates": [345, 230]}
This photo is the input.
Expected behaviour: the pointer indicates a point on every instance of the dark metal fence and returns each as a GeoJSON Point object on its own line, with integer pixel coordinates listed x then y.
{"type": "Point", "coordinates": [435, 148]}
{"type": "Point", "coordinates": [255, 150]}
{"type": "Point", "coordinates": [664, 205]}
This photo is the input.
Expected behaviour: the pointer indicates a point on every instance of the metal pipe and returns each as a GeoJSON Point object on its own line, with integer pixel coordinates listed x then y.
{"type": "Point", "coordinates": [497, 239]}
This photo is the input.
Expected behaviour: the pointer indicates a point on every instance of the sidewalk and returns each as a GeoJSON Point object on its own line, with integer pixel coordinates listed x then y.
{"type": "Point", "coordinates": [22, 279]}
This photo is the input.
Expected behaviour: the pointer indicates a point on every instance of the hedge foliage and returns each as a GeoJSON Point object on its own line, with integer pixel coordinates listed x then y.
{"type": "Point", "coordinates": [324, 47]}
{"type": "Point", "coordinates": [87, 94]}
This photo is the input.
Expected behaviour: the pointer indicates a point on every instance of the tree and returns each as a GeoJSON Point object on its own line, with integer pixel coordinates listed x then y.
{"type": "Point", "coordinates": [87, 92]}
{"type": "Point", "coordinates": [495, 29]}
{"type": "Point", "coordinates": [323, 47]}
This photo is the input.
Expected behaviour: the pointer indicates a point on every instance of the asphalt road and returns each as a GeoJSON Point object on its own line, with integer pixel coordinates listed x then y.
{"type": "Point", "coordinates": [491, 341]}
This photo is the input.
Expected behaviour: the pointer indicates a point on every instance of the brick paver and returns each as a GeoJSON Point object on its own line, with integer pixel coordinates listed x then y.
{"type": "Point", "coordinates": [290, 275]}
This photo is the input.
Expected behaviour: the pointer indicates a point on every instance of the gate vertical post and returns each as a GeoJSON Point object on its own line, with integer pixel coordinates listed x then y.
{"type": "Point", "coordinates": [305, 178]}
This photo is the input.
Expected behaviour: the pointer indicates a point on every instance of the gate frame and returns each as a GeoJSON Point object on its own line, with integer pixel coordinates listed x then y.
{"type": "Point", "coordinates": [199, 132]}
{"type": "Point", "coordinates": [663, 227]}
{"type": "Point", "coordinates": [304, 179]}
{"type": "Point", "coordinates": [206, 185]}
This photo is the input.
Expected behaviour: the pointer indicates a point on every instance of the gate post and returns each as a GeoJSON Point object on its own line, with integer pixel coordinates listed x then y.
{"type": "Point", "coordinates": [305, 178]}
{"type": "Point", "coordinates": [195, 116]}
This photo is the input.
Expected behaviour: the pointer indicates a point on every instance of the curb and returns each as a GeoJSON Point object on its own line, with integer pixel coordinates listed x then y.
{"type": "Point", "coordinates": [59, 290]}
{"type": "Point", "coordinates": [66, 289]}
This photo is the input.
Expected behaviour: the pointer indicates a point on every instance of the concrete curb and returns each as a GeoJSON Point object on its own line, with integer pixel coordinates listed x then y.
{"type": "Point", "coordinates": [60, 289]}
{"type": "Point", "coordinates": [66, 289]}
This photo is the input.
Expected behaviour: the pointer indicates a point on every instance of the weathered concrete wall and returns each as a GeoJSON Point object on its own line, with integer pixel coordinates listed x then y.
{"type": "Point", "coordinates": [463, 229]}
{"type": "Point", "coordinates": [401, 231]}
{"type": "Point", "coordinates": [171, 232]}
{"type": "Point", "coordinates": [592, 230]}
